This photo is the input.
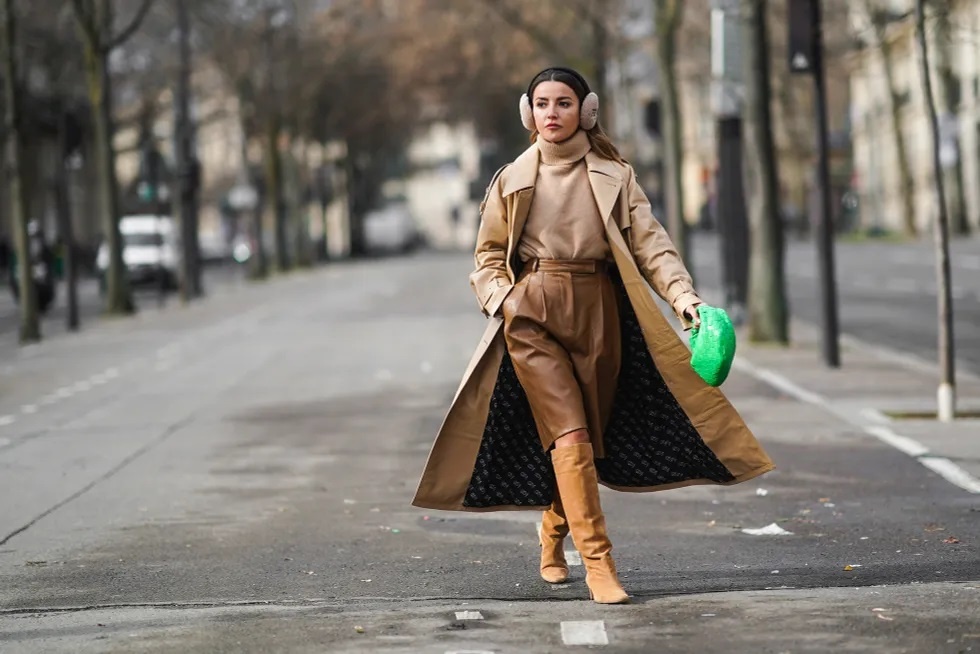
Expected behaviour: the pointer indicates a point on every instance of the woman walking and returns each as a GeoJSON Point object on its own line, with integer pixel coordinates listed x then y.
{"type": "Point", "coordinates": [579, 379]}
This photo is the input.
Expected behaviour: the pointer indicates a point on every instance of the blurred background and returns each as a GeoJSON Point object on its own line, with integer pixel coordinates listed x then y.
{"type": "Point", "coordinates": [264, 135]}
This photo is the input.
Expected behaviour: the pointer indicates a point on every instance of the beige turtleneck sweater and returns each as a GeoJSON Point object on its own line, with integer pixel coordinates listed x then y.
{"type": "Point", "coordinates": [564, 221]}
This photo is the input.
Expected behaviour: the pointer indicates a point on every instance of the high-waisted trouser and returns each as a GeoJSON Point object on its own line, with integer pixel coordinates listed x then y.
{"type": "Point", "coordinates": [561, 326]}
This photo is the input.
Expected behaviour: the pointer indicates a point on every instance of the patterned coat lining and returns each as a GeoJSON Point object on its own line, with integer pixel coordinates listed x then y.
{"type": "Point", "coordinates": [649, 440]}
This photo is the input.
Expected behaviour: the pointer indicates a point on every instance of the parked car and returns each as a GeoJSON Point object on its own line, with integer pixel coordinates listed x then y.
{"type": "Point", "coordinates": [151, 251]}
{"type": "Point", "coordinates": [391, 229]}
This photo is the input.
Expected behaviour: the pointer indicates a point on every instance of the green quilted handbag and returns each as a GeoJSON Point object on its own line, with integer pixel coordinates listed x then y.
{"type": "Point", "coordinates": [713, 345]}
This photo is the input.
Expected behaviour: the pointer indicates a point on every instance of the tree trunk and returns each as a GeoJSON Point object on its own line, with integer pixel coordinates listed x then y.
{"type": "Point", "coordinates": [600, 50]}
{"type": "Point", "coordinates": [905, 181]}
{"type": "Point", "coordinates": [274, 188]}
{"type": "Point", "coordinates": [947, 383]}
{"type": "Point", "coordinates": [65, 227]}
{"type": "Point", "coordinates": [119, 300]}
{"type": "Point", "coordinates": [768, 313]}
{"type": "Point", "coordinates": [947, 98]}
{"type": "Point", "coordinates": [190, 285]}
{"type": "Point", "coordinates": [668, 19]}
{"type": "Point", "coordinates": [30, 326]}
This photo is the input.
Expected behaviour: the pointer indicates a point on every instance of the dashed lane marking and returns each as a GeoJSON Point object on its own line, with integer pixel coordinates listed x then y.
{"type": "Point", "coordinates": [4, 442]}
{"type": "Point", "coordinates": [28, 409]}
{"type": "Point", "coordinates": [584, 632]}
{"type": "Point", "coordinates": [7, 420]}
{"type": "Point", "coordinates": [469, 615]}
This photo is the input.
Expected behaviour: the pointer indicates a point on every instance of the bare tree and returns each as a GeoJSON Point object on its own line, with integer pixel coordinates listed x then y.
{"type": "Point", "coordinates": [880, 18]}
{"type": "Point", "coordinates": [768, 313]}
{"type": "Point", "coordinates": [668, 17]}
{"type": "Point", "coordinates": [947, 97]}
{"type": "Point", "coordinates": [95, 22]}
{"type": "Point", "coordinates": [947, 371]}
{"type": "Point", "coordinates": [30, 327]}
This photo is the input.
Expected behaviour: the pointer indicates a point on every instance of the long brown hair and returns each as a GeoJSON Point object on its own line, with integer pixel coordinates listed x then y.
{"type": "Point", "coordinates": [601, 144]}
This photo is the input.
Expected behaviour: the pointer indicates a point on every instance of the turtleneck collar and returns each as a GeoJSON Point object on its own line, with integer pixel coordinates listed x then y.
{"type": "Point", "coordinates": [569, 151]}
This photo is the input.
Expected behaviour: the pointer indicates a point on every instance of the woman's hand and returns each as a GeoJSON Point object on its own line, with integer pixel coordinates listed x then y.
{"type": "Point", "coordinates": [692, 314]}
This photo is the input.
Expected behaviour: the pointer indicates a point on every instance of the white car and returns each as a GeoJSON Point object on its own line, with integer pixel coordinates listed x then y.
{"type": "Point", "coordinates": [151, 251]}
{"type": "Point", "coordinates": [391, 229]}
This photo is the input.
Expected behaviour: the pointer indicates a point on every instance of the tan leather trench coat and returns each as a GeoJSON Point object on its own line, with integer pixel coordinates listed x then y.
{"type": "Point", "coordinates": [668, 420]}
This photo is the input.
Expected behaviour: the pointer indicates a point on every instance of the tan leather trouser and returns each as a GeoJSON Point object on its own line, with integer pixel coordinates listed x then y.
{"type": "Point", "coordinates": [561, 326]}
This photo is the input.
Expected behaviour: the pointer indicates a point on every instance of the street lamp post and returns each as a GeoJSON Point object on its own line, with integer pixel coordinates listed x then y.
{"type": "Point", "coordinates": [806, 57]}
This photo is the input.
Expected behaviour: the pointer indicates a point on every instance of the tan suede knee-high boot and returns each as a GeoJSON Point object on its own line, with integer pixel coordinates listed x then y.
{"type": "Point", "coordinates": [578, 485]}
{"type": "Point", "coordinates": [554, 528]}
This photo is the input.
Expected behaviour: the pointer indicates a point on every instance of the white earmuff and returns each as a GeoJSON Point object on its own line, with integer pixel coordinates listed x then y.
{"type": "Point", "coordinates": [588, 116]}
{"type": "Point", "coordinates": [527, 115]}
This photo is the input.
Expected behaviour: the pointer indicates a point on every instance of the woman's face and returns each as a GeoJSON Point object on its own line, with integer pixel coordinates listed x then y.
{"type": "Point", "coordinates": [556, 111]}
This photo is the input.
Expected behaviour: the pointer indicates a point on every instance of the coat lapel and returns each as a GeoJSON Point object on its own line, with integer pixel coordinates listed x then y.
{"type": "Point", "coordinates": [606, 182]}
{"type": "Point", "coordinates": [520, 185]}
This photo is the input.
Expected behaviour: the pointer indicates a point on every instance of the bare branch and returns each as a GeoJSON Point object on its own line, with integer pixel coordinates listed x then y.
{"type": "Point", "coordinates": [534, 31]}
{"type": "Point", "coordinates": [87, 21]}
{"type": "Point", "coordinates": [130, 29]}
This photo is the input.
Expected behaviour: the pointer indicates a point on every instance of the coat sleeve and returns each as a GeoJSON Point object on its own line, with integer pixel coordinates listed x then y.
{"type": "Point", "coordinates": [490, 281]}
{"type": "Point", "coordinates": [656, 256]}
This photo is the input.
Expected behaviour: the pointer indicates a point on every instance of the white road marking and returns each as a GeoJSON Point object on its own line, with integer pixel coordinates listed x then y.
{"type": "Point", "coordinates": [111, 373]}
{"type": "Point", "coordinates": [4, 442]}
{"type": "Point", "coordinates": [384, 375]}
{"type": "Point", "coordinates": [951, 473]}
{"type": "Point", "coordinates": [469, 615]}
{"type": "Point", "coordinates": [29, 409]}
{"type": "Point", "coordinates": [874, 415]}
{"type": "Point", "coordinates": [64, 392]}
{"type": "Point", "coordinates": [82, 386]}
{"type": "Point", "coordinates": [941, 466]}
{"type": "Point", "coordinates": [7, 420]}
{"type": "Point", "coordinates": [584, 632]}
{"type": "Point", "coordinates": [573, 557]}
{"type": "Point", "coordinates": [470, 651]}
{"type": "Point", "coordinates": [780, 383]}
{"type": "Point", "coordinates": [911, 447]}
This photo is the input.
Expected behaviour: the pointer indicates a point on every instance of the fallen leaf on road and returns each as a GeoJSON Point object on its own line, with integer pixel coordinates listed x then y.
{"type": "Point", "coordinates": [824, 500]}
{"type": "Point", "coordinates": [769, 530]}
{"type": "Point", "coordinates": [712, 523]}
{"type": "Point", "coordinates": [848, 568]}
{"type": "Point", "coordinates": [931, 528]}
{"type": "Point", "coordinates": [952, 540]}
{"type": "Point", "coordinates": [359, 629]}
{"type": "Point", "coordinates": [36, 563]}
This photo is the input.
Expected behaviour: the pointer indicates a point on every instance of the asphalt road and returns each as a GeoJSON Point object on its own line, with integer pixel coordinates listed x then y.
{"type": "Point", "coordinates": [237, 476]}
{"type": "Point", "coordinates": [887, 292]}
